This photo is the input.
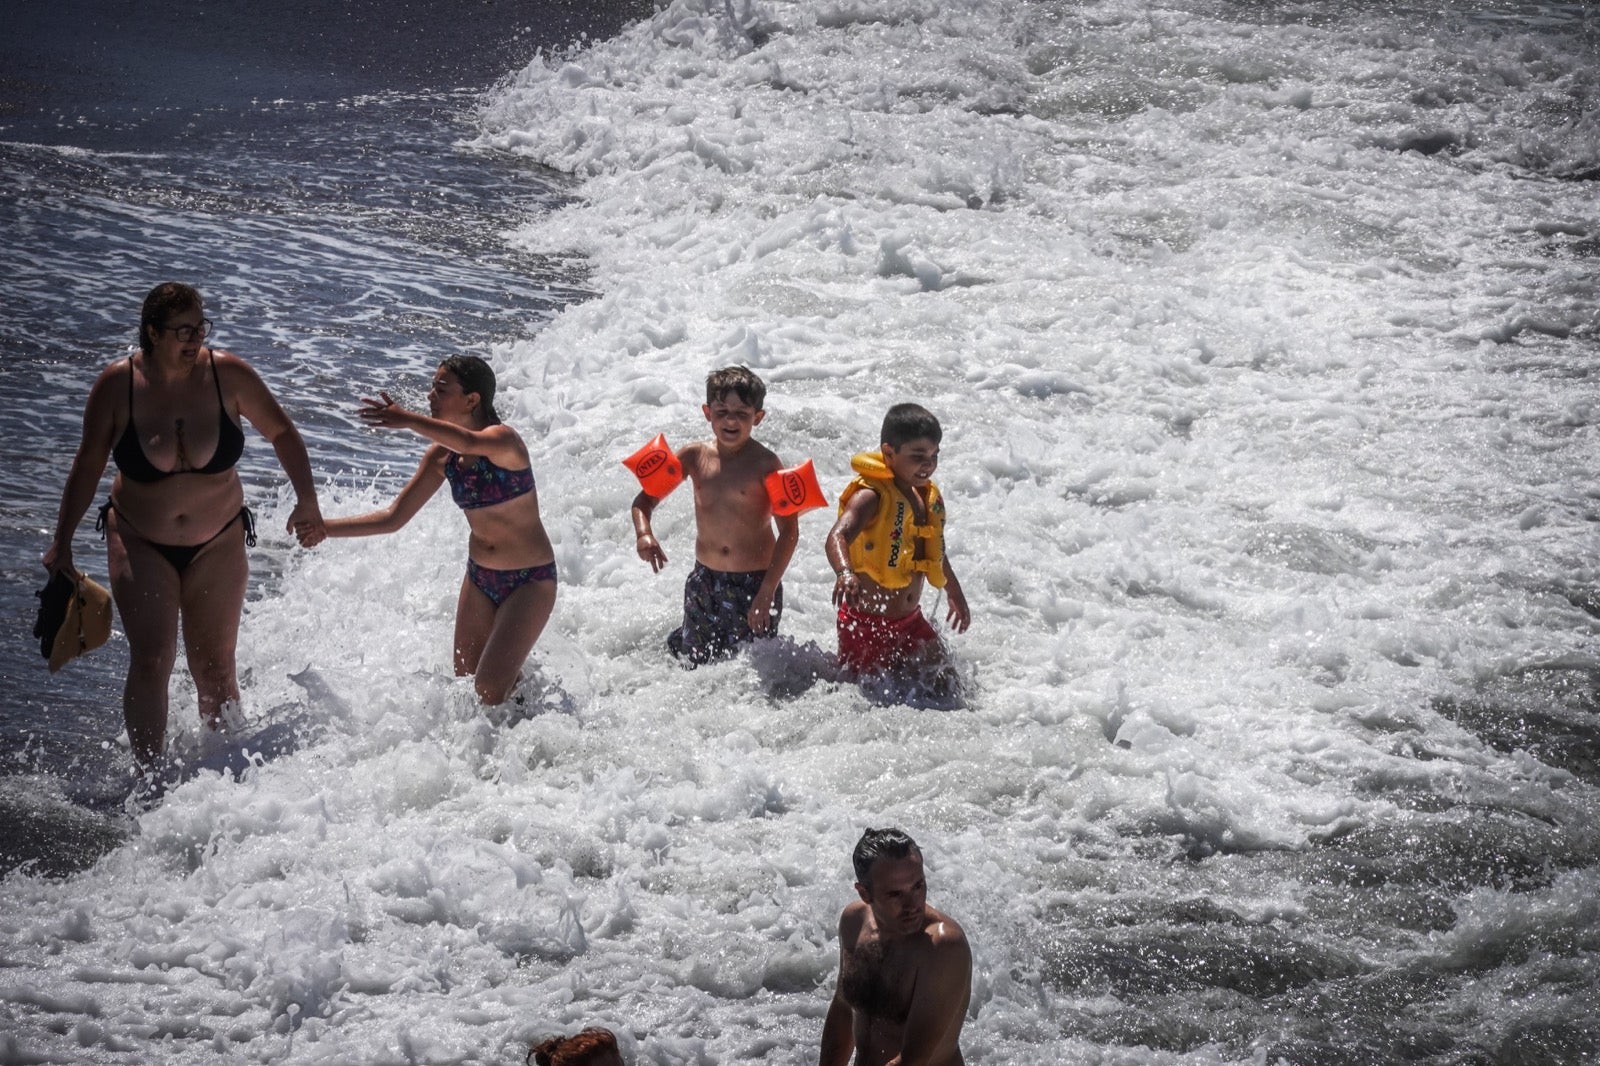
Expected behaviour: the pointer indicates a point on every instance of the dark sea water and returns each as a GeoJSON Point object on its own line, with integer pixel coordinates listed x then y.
{"type": "Point", "coordinates": [297, 162]}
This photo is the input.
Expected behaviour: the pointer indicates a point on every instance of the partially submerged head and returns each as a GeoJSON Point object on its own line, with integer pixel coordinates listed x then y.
{"type": "Point", "coordinates": [592, 1047]}
{"type": "Point", "coordinates": [475, 380]}
{"type": "Point", "coordinates": [161, 305]}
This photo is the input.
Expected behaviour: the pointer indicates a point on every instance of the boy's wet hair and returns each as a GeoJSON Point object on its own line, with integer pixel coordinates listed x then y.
{"type": "Point", "coordinates": [160, 304]}
{"type": "Point", "coordinates": [878, 844]}
{"type": "Point", "coordinates": [739, 380]}
{"type": "Point", "coordinates": [475, 376]}
{"type": "Point", "coordinates": [907, 422]}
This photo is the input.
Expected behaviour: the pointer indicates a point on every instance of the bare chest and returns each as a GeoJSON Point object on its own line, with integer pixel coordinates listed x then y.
{"type": "Point", "coordinates": [876, 982]}
{"type": "Point", "coordinates": [730, 486]}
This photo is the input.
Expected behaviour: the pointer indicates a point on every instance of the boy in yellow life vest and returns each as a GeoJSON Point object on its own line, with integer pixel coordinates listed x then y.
{"type": "Point", "coordinates": [888, 541]}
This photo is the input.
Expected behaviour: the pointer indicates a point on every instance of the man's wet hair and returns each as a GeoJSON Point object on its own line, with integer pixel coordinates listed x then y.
{"type": "Point", "coordinates": [166, 300]}
{"type": "Point", "coordinates": [739, 380]}
{"type": "Point", "coordinates": [907, 422]}
{"type": "Point", "coordinates": [878, 844]}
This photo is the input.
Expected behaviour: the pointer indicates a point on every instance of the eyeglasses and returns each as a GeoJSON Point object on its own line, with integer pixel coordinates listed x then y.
{"type": "Point", "coordinates": [189, 333]}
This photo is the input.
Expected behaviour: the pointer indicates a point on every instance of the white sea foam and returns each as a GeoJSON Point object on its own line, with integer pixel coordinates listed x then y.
{"type": "Point", "coordinates": [1263, 436]}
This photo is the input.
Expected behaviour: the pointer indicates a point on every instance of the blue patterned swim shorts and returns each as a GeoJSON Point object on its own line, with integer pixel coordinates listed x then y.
{"type": "Point", "coordinates": [716, 606]}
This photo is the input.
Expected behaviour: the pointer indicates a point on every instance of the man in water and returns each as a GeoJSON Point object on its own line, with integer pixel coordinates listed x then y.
{"type": "Point", "coordinates": [905, 970]}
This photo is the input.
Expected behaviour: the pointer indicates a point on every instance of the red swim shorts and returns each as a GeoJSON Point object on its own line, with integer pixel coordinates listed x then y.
{"type": "Point", "coordinates": [870, 642]}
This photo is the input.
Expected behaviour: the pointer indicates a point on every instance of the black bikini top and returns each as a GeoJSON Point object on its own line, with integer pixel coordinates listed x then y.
{"type": "Point", "coordinates": [136, 466]}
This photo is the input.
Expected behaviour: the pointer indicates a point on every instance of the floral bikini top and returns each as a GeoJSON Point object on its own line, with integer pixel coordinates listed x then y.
{"type": "Point", "coordinates": [483, 484]}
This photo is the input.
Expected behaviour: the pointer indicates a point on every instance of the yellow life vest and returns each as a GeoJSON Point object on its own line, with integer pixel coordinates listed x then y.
{"type": "Point", "coordinates": [886, 550]}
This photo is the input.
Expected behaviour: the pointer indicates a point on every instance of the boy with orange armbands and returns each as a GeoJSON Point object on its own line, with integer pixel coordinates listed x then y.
{"type": "Point", "coordinates": [889, 540]}
{"type": "Point", "coordinates": [734, 593]}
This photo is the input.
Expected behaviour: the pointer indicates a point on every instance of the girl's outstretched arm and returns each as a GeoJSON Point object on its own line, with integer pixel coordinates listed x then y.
{"type": "Point", "coordinates": [418, 491]}
{"type": "Point", "coordinates": [498, 443]}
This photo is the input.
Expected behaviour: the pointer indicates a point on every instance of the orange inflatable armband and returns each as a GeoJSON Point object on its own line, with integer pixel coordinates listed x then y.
{"type": "Point", "coordinates": [657, 467]}
{"type": "Point", "coordinates": [795, 490]}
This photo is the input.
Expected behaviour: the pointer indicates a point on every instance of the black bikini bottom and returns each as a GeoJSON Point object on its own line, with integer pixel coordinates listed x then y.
{"type": "Point", "coordinates": [179, 556]}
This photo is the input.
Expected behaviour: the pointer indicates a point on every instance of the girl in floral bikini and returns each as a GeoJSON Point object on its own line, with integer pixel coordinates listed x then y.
{"type": "Point", "coordinates": [510, 586]}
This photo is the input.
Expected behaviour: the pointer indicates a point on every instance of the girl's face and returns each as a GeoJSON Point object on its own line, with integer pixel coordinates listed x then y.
{"type": "Point", "coordinates": [448, 400]}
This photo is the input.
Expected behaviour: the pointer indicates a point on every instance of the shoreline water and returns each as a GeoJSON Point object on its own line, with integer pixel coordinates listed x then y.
{"type": "Point", "coordinates": [319, 192]}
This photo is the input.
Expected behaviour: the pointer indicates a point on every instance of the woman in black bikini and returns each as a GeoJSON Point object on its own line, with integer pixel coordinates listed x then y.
{"type": "Point", "coordinates": [510, 586]}
{"type": "Point", "coordinates": [176, 527]}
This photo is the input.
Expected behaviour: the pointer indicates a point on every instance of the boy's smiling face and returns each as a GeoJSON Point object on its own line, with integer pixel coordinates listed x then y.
{"type": "Point", "coordinates": [914, 462]}
{"type": "Point", "coordinates": [732, 420]}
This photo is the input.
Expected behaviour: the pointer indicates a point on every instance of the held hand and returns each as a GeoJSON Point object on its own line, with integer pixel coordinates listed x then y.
{"type": "Point", "coordinates": [957, 613]}
{"type": "Point", "coordinates": [760, 614]}
{"type": "Point", "coordinates": [306, 523]}
{"type": "Point", "coordinates": [846, 589]}
{"type": "Point", "coordinates": [651, 552]}
{"type": "Point", "coordinates": [58, 560]}
{"type": "Point", "coordinates": [383, 412]}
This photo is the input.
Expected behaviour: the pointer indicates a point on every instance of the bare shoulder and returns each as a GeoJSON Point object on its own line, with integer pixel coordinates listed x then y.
{"type": "Point", "coordinates": [764, 457]}
{"type": "Point", "coordinates": [117, 373]}
{"type": "Point", "coordinates": [691, 456]}
{"type": "Point", "coordinates": [945, 934]}
{"type": "Point", "coordinates": [863, 503]}
{"type": "Point", "coordinates": [234, 372]}
{"type": "Point", "coordinates": [119, 367]}
{"type": "Point", "coordinates": [226, 360]}
{"type": "Point", "coordinates": [504, 446]}
{"type": "Point", "coordinates": [105, 404]}
{"type": "Point", "coordinates": [851, 920]}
